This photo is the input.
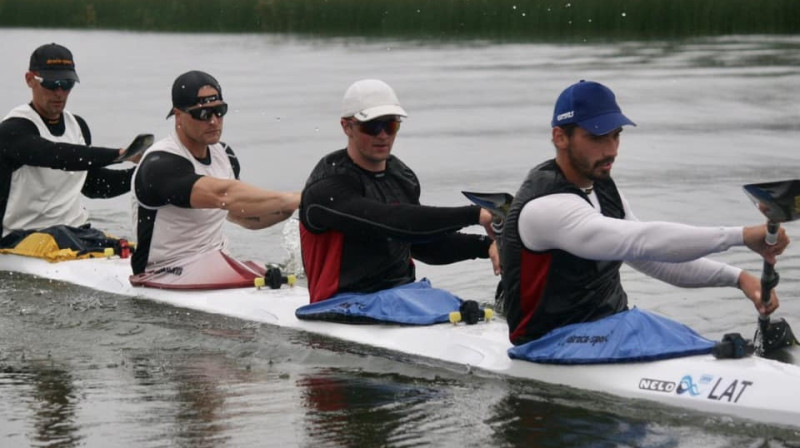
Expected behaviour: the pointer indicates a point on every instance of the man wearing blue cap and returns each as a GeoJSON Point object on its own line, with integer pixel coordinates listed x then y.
{"type": "Point", "coordinates": [569, 230]}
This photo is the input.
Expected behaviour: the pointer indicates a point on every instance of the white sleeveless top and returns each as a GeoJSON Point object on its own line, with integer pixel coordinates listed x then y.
{"type": "Point", "coordinates": [182, 233]}
{"type": "Point", "coordinates": [42, 197]}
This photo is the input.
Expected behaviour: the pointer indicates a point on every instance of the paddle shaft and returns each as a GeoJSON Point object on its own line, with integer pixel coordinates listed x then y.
{"type": "Point", "coordinates": [768, 275]}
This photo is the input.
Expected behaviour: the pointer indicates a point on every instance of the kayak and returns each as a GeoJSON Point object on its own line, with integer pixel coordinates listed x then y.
{"type": "Point", "coordinates": [750, 388]}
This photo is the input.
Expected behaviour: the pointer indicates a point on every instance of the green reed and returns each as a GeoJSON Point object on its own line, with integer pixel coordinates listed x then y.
{"type": "Point", "coordinates": [505, 20]}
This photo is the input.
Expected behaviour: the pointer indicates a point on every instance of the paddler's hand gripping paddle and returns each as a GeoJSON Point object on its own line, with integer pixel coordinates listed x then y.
{"type": "Point", "coordinates": [779, 202]}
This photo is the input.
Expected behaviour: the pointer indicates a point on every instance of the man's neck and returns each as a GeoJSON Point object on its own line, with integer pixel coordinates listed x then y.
{"type": "Point", "coordinates": [47, 119]}
{"type": "Point", "coordinates": [198, 150]}
{"type": "Point", "coordinates": [366, 164]}
{"type": "Point", "coordinates": [572, 175]}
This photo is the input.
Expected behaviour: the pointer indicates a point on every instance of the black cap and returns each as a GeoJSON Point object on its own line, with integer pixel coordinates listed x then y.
{"type": "Point", "coordinates": [52, 62]}
{"type": "Point", "coordinates": [186, 86]}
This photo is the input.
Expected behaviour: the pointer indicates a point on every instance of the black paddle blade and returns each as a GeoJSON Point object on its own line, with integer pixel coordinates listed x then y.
{"type": "Point", "coordinates": [778, 201]}
{"type": "Point", "coordinates": [137, 146]}
{"type": "Point", "coordinates": [778, 335]}
{"type": "Point", "coordinates": [496, 203]}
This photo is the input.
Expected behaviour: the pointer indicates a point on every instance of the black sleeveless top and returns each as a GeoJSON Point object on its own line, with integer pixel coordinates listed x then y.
{"type": "Point", "coordinates": [550, 289]}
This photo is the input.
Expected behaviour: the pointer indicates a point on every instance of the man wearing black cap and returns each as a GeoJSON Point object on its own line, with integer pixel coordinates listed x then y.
{"type": "Point", "coordinates": [46, 161]}
{"type": "Point", "coordinates": [185, 187]}
{"type": "Point", "coordinates": [569, 229]}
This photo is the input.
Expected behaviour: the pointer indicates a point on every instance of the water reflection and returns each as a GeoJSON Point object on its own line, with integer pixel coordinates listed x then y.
{"type": "Point", "coordinates": [356, 412]}
{"type": "Point", "coordinates": [51, 397]}
{"type": "Point", "coordinates": [533, 422]}
{"type": "Point", "coordinates": [196, 411]}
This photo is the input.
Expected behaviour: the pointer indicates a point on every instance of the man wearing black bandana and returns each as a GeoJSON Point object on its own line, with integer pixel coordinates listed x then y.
{"type": "Point", "coordinates": [46, 157]}
{"type": "Point", "coordinates": [185, 187]}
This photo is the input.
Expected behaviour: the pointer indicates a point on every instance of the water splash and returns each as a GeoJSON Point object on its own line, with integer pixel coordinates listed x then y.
{"type": "Point", "coordinates": [291, 243]}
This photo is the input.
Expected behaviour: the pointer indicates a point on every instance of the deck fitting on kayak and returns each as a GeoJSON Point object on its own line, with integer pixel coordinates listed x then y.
{"type": "Point", "coordinates": [733, 346]}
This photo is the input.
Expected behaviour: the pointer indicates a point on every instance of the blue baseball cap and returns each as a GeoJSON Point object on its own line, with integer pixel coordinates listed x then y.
{"type": "Point", "coordinates": [590, 105]}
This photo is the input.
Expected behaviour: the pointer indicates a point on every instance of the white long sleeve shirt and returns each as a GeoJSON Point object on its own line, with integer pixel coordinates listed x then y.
{"type": "Point", "coordinates": [670, 252]}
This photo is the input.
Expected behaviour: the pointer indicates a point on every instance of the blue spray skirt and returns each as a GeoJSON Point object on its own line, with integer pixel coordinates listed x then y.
{"type": "Point", "coordinates": [415, 303]}
{"type": "Point", "coordinates": [629, 336]}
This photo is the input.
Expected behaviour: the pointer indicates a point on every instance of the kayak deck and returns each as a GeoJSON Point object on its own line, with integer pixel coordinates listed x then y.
{"type": "Point", "coordinates": [753, 388]}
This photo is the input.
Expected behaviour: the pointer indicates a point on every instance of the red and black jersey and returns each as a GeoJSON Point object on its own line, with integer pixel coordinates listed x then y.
{"type": "Point", "coordinates": [360, 230]}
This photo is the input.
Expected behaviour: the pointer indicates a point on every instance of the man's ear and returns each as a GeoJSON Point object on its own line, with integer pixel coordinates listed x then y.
{"type": "Point", "coordinates": [560, 138]}
{"type": "Point", "coordinates": [29, 78]}
{"type": "Point", "coordinates": [348, 130]}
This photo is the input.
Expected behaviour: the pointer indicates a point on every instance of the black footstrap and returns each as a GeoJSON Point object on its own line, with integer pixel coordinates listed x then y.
{"type": "Point", "coordinates": [471, 313]}
{"type": "Point", "coordinates": [274, 278]}
{"type": "Point", "coordinates": [732, 346]}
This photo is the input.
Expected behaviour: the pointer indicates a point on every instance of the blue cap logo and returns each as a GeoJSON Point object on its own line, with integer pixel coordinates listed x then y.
{"type": "Point", "coordinates": [590, 105]}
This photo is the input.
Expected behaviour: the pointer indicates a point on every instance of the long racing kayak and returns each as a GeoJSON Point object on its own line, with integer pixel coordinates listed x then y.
{"type": "Point", "coordinates": [751, 388]}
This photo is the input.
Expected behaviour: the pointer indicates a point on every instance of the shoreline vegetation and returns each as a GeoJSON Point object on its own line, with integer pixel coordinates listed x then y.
{"type": "Point", "coordinates": [495, 20]}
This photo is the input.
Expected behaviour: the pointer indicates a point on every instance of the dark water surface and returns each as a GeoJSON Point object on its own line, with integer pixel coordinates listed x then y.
{"type": "Point", "coordinates": [83, 368]}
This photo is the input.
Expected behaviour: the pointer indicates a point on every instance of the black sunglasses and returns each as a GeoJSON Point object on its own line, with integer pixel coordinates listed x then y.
{"type": "Point", "coordinates": [205, 113]}
{"type": "Point", "coordinates": [53, 84]}
{"type": "Point", "coordinates": [374, 127]}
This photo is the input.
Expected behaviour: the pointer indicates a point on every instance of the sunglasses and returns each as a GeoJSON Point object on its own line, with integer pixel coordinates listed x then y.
{"type": "Point", "coordinates": [205, 113]}
{"type": "Point", "coordinates": [374, 127]}
{"type": "Point", "coordinates": [53, 84]}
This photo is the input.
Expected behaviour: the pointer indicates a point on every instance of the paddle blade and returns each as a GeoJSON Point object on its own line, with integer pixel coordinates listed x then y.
{"type": "Point", "coordinates": [778, 201]}
{"type": "Point", "coordinates": [496, 203]}
{"type": "Point", "coordinates": [777, 335]}
{"type": "Point", "coordinates": [137, 146]}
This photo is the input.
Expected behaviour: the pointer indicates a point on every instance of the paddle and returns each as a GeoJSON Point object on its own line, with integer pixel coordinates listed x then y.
{"type": "Point", "coordinates": [779, 202]}
{"type": "Point", "coordinates": [137, 146]}
{"type": "Point", "coordinates": [497, 204]}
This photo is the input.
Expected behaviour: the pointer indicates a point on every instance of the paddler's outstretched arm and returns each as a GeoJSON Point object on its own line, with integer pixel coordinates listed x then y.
{"type": "Point", "coordinates": [336, 203]}
{"type": "Point", "coordinates": [249, 206]}
{"type": "Point", "coordinates": [22, 145]}
{"type": "Point", "coordinates": [668, 251]}
{"type": "Point", "coordinates": [165, 178]}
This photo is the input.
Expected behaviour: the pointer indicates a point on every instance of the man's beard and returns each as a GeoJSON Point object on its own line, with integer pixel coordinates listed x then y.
{"type": "Point", "coordinates": [587, 169]}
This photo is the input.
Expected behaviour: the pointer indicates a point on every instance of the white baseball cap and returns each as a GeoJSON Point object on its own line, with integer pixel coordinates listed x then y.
{"type": "Point", "coordinates": [368, 99]}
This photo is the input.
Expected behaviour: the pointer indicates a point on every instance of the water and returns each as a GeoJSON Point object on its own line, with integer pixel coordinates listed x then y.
{"type": "Point", "coordinates": [82, 368]}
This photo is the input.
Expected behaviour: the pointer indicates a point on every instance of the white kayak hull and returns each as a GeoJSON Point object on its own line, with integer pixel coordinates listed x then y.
{"type": "Point", "coordinates": [751, 388]}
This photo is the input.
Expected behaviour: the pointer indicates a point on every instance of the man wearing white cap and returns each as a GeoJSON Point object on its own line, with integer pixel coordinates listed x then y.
{"type": "Point", "coordinates": [361, 221]}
